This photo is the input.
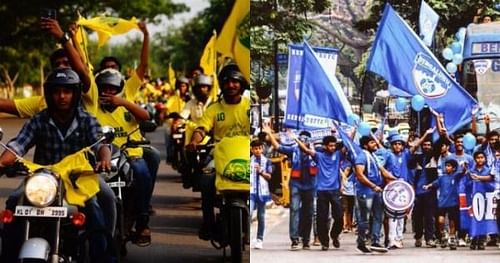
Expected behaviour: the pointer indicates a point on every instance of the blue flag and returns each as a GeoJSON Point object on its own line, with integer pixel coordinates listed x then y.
{"type": "Point", "coordinates": [353, 148]}
{"type": "Point", "coordinates": [403, 60]}
{"type": "Point", "coordinates": [321, 97]}
{"type": "Point", "coordinates": [327, 55]}
{"type": "Point", "coordinates": [427, 23]}
{"type": "Point", "coordinates": [483, 220]}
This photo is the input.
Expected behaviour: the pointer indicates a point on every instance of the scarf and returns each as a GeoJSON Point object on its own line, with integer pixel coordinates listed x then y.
{"type": "Point", "coordinates": [259, 187]}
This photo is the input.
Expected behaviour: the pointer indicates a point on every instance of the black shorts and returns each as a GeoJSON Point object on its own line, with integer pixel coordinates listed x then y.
{"type": "Point", "coordinates": [453, 212]}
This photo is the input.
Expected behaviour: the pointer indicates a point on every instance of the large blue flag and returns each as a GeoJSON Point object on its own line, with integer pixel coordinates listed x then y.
{"type": "Point", "coordinates": [321, 97]}
{"type": "Point", "coordinates": [402, 59]}
{"type": "Point", "coordinates": [427, 22]}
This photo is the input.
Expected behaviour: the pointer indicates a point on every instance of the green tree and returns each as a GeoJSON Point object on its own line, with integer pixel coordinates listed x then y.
{"type": "Point", "coordinates": [23, 44]}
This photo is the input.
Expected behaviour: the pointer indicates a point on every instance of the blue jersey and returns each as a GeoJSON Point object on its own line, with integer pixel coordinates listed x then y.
{"type": "Point", "coordinates": [328, 177]}
{"type": "Point", "coordinates": [447, 186]}
{"type": "Point", "coordinates": [371, 172]}
{"type": "Point", "coordinates": [397, 164]}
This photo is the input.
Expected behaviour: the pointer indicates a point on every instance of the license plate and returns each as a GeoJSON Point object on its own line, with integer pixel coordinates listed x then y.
{"type": "Point", "coordinates": [50, 211]}
{"type": "Point", "coordinates": [177, 136]}
{"type": "Point", "coordinates": [116, 184]}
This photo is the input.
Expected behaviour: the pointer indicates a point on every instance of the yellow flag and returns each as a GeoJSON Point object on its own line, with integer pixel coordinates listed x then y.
{"type": "Point", "coordinates": [171, 75]}
{"type": "Point", "coordinates": [82, 44]}
{"type": "Point", "coordinates": [108, 26]}
{"type": "Point", "coordinates": [208, 62]}
{"type": "Point", "coordinates": [234, 39]}
{"type": "Point", "coordinates": [76, 163]}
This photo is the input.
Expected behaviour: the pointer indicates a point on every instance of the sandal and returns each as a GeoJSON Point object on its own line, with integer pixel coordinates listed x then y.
{"type": "Point", "coordinates": [143, 239]}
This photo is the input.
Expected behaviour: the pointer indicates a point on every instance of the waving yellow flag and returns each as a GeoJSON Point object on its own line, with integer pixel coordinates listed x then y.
{"type": "Point", "coordinates": [108, 26]}
{"type": "Point", "coordinates": [208, 62]}
{"type": "Point", "coordinates": [234, 39]}
{"type": "Point", "coordinates": [171, 76]}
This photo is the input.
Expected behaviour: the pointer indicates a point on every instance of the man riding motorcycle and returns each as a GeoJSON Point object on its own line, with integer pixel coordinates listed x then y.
{"type": "Point", "coordinates": [124, 116]}
{"type": "Point", "coordinates": [228, 117]}
{"type": "Point", "coordinates": [60, 130]}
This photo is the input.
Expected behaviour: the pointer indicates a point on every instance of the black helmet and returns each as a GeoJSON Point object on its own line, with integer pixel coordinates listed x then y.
{"type": "Point", "coordinates": [110, 77]}
{"type": "Point", "coordinates": [180, 80]}
{"type": "Point", "coordinates": [232, 71]}
{"type": "Point", "coordinates": [62, 77]}
{"type": "Point", "coordinates": [203, 79]}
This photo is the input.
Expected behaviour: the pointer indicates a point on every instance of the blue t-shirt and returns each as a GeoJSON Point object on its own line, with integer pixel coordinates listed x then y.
{"type": "Point", "coordinates": [397, 164]}
{"type": "Point", "coordinates": [447, 186]}
{"type": "Point", "coordinates": [371, 172]}
{"type": "Point", "coordinates": [425, 173]}
{"type": "Point", "coordinates": [348, 187]}
{"type": "Point", "coordinates": [328, 177]}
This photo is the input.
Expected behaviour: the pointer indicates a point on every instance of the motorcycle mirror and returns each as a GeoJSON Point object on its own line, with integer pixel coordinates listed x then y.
{"type": "Point", "coordinates": [1, 134]}
{"type": "Point", "coordinates": [109, 133]}
{"type": "Point", "coordinates": [147, 126]}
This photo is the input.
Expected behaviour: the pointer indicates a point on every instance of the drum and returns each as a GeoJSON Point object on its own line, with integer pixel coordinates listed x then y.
{"type": "Point", "coordinates": [398, 198]}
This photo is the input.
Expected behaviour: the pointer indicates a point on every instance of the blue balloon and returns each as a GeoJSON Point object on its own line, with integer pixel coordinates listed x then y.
{"type": "Point", "coordinates": [469, 141]}
{"type": "Point", "coordinates": [451, 67]}
{"type": "Point", "coordinates": [456, 47]}
{"type": "Point", "coordinates": [364, 129]}
{"type": "Point", "coordinates": [353, 119]}
{"type": "Point", "coordinates": [447, 53]}
{"type": "Point", "coordinates": [400, 104]}
{"type": "Point", "coordinates": [417, 102]}
{"type": "Point", "coordinates": [457, 59]}
{"type": "Point", "coordinates": [460, 35]}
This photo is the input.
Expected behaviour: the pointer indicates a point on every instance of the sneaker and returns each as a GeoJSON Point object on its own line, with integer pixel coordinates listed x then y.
{"type": "Point", "coordinates": [452, 243]}
{"type": "Point", "coordinates": [473, 245]}
{"type": "Point", "coordinates": [378, 248]}
{"type": "Point", "coordinates": [295, 245]}
{"type": "Point", "coordinates": [398, 243]}
{"type": "Point", "coordinates": [316, 242]}
{"type": "Point", "coordinates": [258, 244]}
{"type": "Point", "coordinates": [430, 243]}
{"type": "Point", "coordinates": [335, 242]}
{"type": "Point", "coordinates": [324, 248]}
{"type": "Point", "coordinates": [363, 249]}
{"type": "Point", "coordinates": [143, 238]}
{"type": "Point", "coordinates": [418, 242]}
{"type": "Point", "coordinates": [443, 242]}
{"type": "Point", "coordinates": [480, 246]}
{"type": "Point", "coordinates": [306, 246]}
{"type": "Point", "coordinates": [462, 243]}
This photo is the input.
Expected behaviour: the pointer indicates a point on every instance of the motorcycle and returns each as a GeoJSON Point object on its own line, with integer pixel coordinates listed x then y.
{"type": "Point", "coordinates": [48, 209]}
{"type": "Point", "coordinates": [231, 170]}
{"type": "Point", "coordinates": [121, 180]}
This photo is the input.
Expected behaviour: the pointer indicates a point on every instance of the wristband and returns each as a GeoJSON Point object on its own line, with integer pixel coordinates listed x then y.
{"type": "Point", "coordinates": [65, 38]}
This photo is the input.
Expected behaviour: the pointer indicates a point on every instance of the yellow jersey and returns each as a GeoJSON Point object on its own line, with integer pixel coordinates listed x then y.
{"type": "Point", "coordinates": [123, 122]}
{"type": "Point", "coordinates": [227, 120]}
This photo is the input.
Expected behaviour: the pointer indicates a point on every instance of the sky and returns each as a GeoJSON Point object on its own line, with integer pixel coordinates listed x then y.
{"type": "Point", "coordinates": [195, 5]}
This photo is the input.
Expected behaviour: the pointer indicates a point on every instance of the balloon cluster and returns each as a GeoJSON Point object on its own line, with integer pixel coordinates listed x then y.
{"type": "Point", "coordinates": [417, 103]}
{"type": "Point", "coordinates": [453, 52]}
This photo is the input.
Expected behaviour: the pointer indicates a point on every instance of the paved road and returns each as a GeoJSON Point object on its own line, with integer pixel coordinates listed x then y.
{"type": "Point", "coordinates": [177, 218]}
{"type": "Point", "coordinates": [277, 248]}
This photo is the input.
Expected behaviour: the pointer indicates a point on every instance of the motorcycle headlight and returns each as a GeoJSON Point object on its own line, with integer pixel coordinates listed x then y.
{"type": "Point", "coordinates": [41, 188]}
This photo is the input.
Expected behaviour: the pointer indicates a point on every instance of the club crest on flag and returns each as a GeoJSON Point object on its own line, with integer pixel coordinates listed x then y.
{"type": "Point", "coordinates": [429, 80]}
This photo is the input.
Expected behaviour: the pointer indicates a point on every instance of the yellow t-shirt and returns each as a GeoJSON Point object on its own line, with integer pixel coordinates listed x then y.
{"type": "Point", "coordinates": [29, 107]}
{"type": "Point", "coordinates": [123, 122]}
{"type": "Point", "coordinates": [227, 120]}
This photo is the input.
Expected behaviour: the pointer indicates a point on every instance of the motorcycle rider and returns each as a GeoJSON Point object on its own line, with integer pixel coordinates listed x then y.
{"type": "Point", "coordinates": [124, 116]}
{"type": "Point", "coordinates": [227, 117]}
{"type": "Point", "coordinates": [60, 130]}
{"type": "Point", "coordinates": [175, 103]}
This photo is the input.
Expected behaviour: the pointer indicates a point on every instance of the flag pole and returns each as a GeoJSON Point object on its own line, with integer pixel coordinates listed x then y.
{"type": "Point", "coordinates": [363, 83]}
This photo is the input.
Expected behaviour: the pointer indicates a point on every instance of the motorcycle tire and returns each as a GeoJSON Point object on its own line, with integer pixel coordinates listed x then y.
{"type": "Point", "coordinates": [235, 234]}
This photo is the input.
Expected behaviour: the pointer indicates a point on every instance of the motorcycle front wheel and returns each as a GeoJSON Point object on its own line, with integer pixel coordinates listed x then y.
{"type": "Point", "coordinates": [235, 234]}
